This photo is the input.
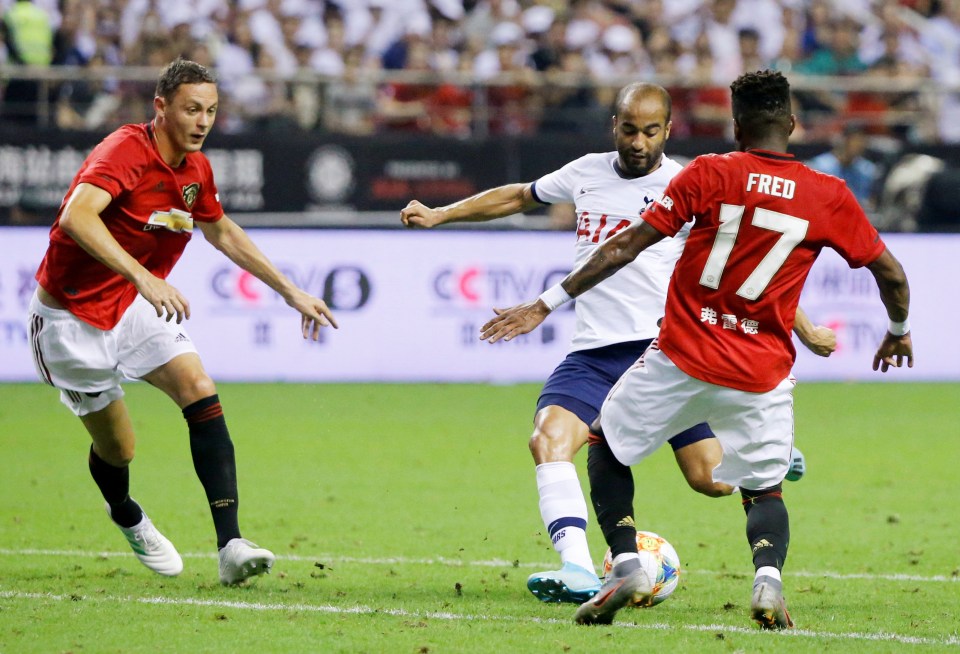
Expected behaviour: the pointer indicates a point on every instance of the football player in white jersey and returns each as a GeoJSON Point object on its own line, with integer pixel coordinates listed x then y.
{"type": "Point", "coordinates": [616, 320]}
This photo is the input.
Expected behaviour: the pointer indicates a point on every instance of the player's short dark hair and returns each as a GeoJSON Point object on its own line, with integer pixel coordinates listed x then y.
{"type": "Point", "coordinates": [181, 71]}
{"type": "Point", "coordinates": [761, 102]}
{"type": "Point", "coordinates": [644, 88]}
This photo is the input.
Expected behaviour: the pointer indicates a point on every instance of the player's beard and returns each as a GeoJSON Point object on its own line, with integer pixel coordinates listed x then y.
{"type": "Point", "coordinates": [642, 166]}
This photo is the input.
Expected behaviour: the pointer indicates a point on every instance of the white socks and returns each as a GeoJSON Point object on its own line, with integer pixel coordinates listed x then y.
{"type": "Point", "coordinates": [564, 511]}
{"type": "Point", "coordinates": [768, 571]}
{"type": "Point", "coordinates": [626, 556]}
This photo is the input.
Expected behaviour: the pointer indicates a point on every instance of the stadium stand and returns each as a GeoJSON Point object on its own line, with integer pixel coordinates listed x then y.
{"type": "Point", "coordinates": [475, 69]}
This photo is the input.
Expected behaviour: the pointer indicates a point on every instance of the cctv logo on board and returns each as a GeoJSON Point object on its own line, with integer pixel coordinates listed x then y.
{"type": "Point", "coordinates": [481, 287]}
{"type": "Point", "coordinates": [343, 288]}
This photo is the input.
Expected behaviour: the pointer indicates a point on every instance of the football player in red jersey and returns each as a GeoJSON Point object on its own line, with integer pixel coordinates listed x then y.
{"type": "Point", "coordinates": [724, 353]}
{"type": "Point", "coordinates": [615, 323]}
{"type": "Point", "coordinates": [103, 310]}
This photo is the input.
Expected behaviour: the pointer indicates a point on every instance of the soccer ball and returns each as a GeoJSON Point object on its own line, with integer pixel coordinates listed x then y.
{"type": "Point", "coordinates": [655, 554]}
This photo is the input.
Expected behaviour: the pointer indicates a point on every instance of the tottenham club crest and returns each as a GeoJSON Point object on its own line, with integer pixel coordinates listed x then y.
{"type": "Point", "coordinates": [190, 194]}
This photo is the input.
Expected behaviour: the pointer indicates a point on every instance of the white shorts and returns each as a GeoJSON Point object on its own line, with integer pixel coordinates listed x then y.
{"type": "Point", "coordinates": [87, 364]}
{"type": "Point", "coordinates": [655, 400]}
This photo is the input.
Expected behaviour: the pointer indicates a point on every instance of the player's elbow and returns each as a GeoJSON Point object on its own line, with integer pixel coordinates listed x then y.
{"type": "Point", "coordinates": [899, 278]}
{"type": "Point", "coordinates": [69, 223]}
{"type": "Point", "coordinates": [888, 271]}
{"type": "Point", "coordinates": [894, 276]}
{"type": "Point", "coordinates": [631, 252]}
{"type": "Point", "coordinates": [891, 278]}
{"type": "Point", "coordinates": [622, 254]}
{"type": "Point", "coordinates": [628, 244]}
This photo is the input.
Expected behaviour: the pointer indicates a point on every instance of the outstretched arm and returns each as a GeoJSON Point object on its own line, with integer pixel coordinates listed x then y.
{"type": "Point", "coordinates": [610, 257]}
{"type": "Point", "coordinates": [820, 340]}
{"type": "Point", "coordinates": [486, 205]}
{"type": "Point", "coordinates": [897, 343]}
{"type": "Point", "coordinates": [228, 237]}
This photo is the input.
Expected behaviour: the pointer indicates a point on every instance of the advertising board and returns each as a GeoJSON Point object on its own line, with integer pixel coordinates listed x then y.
{"type": "Point", "coordinates": [410, 305]}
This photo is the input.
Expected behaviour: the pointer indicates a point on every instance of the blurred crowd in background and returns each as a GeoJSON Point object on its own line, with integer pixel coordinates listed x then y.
{"type": "Point", "coordinates": [506, 66]}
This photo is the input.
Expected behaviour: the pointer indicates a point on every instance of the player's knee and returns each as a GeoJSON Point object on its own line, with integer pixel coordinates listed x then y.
{"type": "Point", "coordinates": [194, 388]}
{"type": "Point", "coordinates": [548, 443]}
{"type": "Point", "coordinates": [119, 455]}
{"type": "Point", "coordinates": [125, 457]}
{"type": "Point", "coordinates": [713, 490]}
{"type": "Point", "coordinates": [704, 484]}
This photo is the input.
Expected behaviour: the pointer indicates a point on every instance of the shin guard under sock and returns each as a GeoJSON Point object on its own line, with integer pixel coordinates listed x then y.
{"type": "Point", "coordinates": [768, 526]}
{"type": "Point", "coordinates": [611, 491]}
{"type": "Point", "coordinates": [213, 459]}
{"type": "Point", "coordinates": [564, 511]}
{"type": "Point", "coordinates": [114, 484]}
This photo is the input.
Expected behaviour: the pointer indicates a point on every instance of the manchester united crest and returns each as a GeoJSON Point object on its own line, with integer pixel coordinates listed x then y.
{"type": "Point", "coordinates": [190, 194]}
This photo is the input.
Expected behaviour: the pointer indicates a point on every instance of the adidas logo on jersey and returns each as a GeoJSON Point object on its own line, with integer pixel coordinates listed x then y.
{"type": "Point", "coordinates": [181, 337]}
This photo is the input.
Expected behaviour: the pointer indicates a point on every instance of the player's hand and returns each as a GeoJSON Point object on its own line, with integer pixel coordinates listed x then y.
{"type": "Point", "coordinates": [314, 314]}
{"type": "Point", "coordinates": [822, 341]}
{"type": "Point", "coordinates": [892, 352]}
{"type": "Point", "coordinates": [416, 214]}
{"type": "Point", "coordinates": [514, 321]}
{"type": "Point", "coordinates": [164, 297]}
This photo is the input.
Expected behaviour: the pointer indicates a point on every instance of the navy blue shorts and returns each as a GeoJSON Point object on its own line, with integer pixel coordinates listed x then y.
{"type": "Point", "coordinates": [582, 380]}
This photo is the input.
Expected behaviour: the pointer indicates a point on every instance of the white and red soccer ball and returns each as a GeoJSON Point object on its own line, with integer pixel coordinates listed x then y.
{"type": "Point", "coordinates": [659, 559]}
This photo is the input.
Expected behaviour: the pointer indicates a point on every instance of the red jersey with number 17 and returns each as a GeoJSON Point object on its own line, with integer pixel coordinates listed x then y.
{"type": "Point", "coordinates": [151, 216]}
{"type": "Point", "coordinates": [760, 220]}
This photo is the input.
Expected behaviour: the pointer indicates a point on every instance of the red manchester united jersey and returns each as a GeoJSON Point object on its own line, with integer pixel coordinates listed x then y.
{"type": "Point", "coordinates": [151, 217]}
{"type": "Point", "coordinates": [760, 220]}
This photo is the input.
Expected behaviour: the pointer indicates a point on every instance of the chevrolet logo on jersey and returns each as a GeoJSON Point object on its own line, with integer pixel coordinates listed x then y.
{"type": "Point", "coordinates": [190, 192]}
{"type": "Point", "coordinates": [175, 220]}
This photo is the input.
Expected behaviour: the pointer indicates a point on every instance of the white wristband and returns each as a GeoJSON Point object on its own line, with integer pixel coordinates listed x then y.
{"type": "Point", "coordinates": [555, 296]}
{"type": "Point", "coordinates": [899, 328]}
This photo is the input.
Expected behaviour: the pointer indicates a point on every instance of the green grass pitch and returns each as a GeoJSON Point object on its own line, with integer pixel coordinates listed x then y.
{"type": "Point", "coordinates": [405, 520]}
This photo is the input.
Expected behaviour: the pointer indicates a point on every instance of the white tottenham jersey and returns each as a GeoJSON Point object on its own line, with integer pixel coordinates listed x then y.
{"type": "Point", "coordinates": [626, 306]}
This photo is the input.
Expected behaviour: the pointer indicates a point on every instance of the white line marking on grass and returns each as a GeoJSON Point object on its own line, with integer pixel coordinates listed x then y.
{"type": "Point", "coordinates": [366, 610]}
{"type": "Point", "coordinates": [492, 563]}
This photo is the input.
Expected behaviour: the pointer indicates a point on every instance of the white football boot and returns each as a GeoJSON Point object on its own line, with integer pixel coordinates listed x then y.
{"type": "Point", "coordinates": [240, 559]}
{"type": "Point", "coordinates": [151, 547]}
{"type": "Point", "coordinates": [767, 607]}
{"type": "Point", "coordinates": [628, 583]}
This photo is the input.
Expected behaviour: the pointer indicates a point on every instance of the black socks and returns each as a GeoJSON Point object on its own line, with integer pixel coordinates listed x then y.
{"type": "Point", "coordinates": [114, 484]}
{"type": "Point", "coordinates": [214, 461]}
{"type": "Point", "coordinates": [611, 490]}
{"type": "Point", "coordinates": [768, 526]}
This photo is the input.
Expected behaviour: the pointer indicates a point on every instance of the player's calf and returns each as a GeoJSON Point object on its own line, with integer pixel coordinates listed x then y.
{"type": "Point", "coordinates": [768, 532]}
{"type": "Point", "coordinates": [612, 490]}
